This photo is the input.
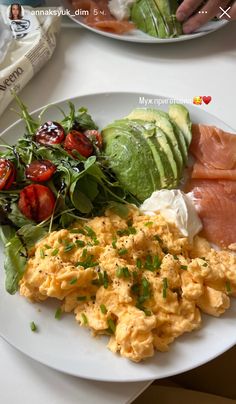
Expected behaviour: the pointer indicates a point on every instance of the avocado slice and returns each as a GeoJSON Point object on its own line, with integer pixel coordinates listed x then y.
{"type": "Point", "coordinates": [180, 116]}
{"type": "Point", "coordinates": [156, 17]}
{"type": "Point", "coordinates": [162, 120]}
{"type": "Point", "coordinates": [148, 131]}
{"type": "Point", "coordinates": [130, 158]}
{"type": "Point", "coordinates": [170, 166]}
{"type": "Point", "coordinates": [161, 146]}
{"type": "Point", "coordinates": [148, 19]}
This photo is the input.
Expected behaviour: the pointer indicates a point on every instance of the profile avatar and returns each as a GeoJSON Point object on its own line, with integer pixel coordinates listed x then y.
{"type": "Point", "coordinates": [15, 12]}
{"type": "Point", "coordinates": [18, 24]}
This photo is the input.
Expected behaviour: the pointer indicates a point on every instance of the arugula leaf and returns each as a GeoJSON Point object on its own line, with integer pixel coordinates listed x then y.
{"type": "Point", "coordinates": [81, 120]}
{"type": "Point", "coordinates": [119, 209]}
{"type": "Point", "coordinates": [81, 201]}
{"type": "Point", "coordinates": [17, 217]}
{"type": "Point", "coordinates": [84, 121]}
{"type": "Point", "coordinates": [6, 233]}
{"type": "Point", "coordinates": [31, 124]}
{"type": "Point", "coordinates": [16, 254]}
{"type": "Point", "coordinates": [69, 120]}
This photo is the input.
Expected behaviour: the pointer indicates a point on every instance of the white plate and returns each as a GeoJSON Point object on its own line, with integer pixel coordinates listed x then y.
{"type": "Point", "coordinates": [139, 36]}
{"type": "Point", "coordinates": [63, 344]}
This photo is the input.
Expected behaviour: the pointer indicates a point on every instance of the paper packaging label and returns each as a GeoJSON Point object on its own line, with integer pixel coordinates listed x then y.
{"type": "Point", "coordinates": [32, 45]}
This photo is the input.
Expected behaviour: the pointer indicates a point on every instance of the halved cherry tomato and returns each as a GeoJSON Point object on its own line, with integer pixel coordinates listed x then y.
{"type": "Point", "coordinates": [78, 141]}
{"type": "Point", "coordinates": [40, 170]}
{"type": "Point", "coordinates": [36, 202]}
{"type": "Point", "coordinates": [50, 133]}
{"type": "Point", "coordinates": [7, 173]}
{"type": "Point", "coordinates": [95, 137]}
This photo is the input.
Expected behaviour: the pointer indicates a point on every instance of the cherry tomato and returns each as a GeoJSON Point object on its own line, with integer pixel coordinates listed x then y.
{"type": "Point", "coordinates": [95, 137]}
{"type": "Point", "coordinates": [50, 133]}
{"type": "Point", "coordinates": [36, 202]}
{"type": "Point", "coordinates": [78, 141]}
{"type": "Point", "coordinates": [40, 170]}
{"type": "Point", "coordinates": [7, 173]}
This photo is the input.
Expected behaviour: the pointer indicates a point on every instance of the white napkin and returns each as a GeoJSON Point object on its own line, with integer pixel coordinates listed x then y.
{"type": "Point", "coordinates": [25, 46]}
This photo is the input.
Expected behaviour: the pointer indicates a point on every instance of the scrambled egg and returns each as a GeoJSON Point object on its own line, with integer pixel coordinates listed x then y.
{"type": "Point", "coordinates": [137, 280]}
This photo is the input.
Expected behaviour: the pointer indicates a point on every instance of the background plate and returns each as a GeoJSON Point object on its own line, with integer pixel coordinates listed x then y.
{"type": "Point", "coordinates": [63, 344]}
{"type": "Point", "coordinates": [139, 36]}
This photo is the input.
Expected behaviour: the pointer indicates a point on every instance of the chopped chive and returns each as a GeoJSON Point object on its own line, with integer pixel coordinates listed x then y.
{"type": "Point", "coordinates": [95, 241]}
{"type": "Point", "coordinates": [184, 267]}
{"type": "Point", "coordinates": [143, 291]}
{"type": "Point", "coordinates": [175, 257]}
{"type": "Point", "coordinates": [203, 258]}
{"type": "Point", "coordinates": [114, 241]}
{"type": "Point", "coordinates": [205, 264]}
{"type": "Point", "coordinates": [156, 237]}
{"type": "Point", "coordinates": [58, 313]}
{"type": "Point", "coordinates": [47, 246]}
{"type": "Point", "coordinates": [105, 280]}
{"type": "Point", "coordinates": [228, 286]}
{"type": "Point", "coordinates": [127, 232]}
{"type": "Point", "coordinates": [139, 263]}
{"type": "Point", "coordinates": [122, 232]}
{"type": "Point", "coordinates": [42, 255]}
{"type": "Point", "coordinates": [135, 288]}
{"type": "Point", "coordinates": [33, 326]}
{"type": "Point", "coordinates": [60, 240]}
{"type": "Point", "coordinates": [73, 281]}
{"type": "Point", "coordinates": [101, 278]}
{"type": "Point", "coordinates": [146, 287]}
{"type": "Point", "coordinates": [148, 224]}
{"type": "Point", "coordinates": [84, 253]}
{"type": "Point", "coordinates": [156, 262]}
{"type": "Point", "coordinates": [130, 222]}
{"type": "Point", "coordinates": [165, 287]}
{"type": "Point", "coordinates": [122, 251]}
{"type": "Point", "coordinates": [135, 274]}
{"type": "Point", "coordinates": [119, 272]}
{"type": "Point", "coordinates": [68, 247]}
{"type": "Point", "coordinates": [55, 252]}
{"type": "Point", "coordinates": [103, 308]}
{"type": "Point", "coordinates": [111, 326]}
{"type": "Point", "coordinates": [90, 232]}
{"type": "Point", "coordinates": [152, 263]}
{"type": "Point", "coordinates": [144, 309]}
{"type": "Point", "coordinates": [80, 243]}
{"type": "Point", "coordinates": [123, 273]}
{"type": "Point", "coordinates": [147, 312]}
{"type": "Point", "coordinates": [132, 230]}
{"type": "Point", "coordinates": [126, 272]}
{"type": "Point", "coordinates": [89, 263]}
{"type": "Point", "coordinates": [81, 298]}
{"type": "Point", "coordinates": [77, 231]}
{"type": "Point", "coordinates": [85, 319]}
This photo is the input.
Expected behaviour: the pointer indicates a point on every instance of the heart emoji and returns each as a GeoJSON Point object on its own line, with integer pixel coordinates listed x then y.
{"type": "Point", "coordinates": [207, 99]}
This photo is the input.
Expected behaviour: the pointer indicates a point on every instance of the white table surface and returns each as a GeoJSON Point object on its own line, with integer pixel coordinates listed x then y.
{"type": "Point", "coordinates": [86, 63]}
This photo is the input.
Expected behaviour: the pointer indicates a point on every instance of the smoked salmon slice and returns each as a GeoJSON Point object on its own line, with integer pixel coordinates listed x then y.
{"type": "Point", "coordinates": [213, 147]}
{"type": "Point", "coordinates": [215, 202]}
{"type": "Point", "coordinates": [202, 171]}
{"type": "Point", "coordinates": [117, 27]}
{"type": "Point", "coordinates": [100, 17]}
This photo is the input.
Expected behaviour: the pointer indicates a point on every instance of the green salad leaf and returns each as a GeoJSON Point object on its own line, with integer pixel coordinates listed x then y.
{"type": "Point", "coordinates": [17, 251]}
{"type": "Point", "coordinates": [83, 187]}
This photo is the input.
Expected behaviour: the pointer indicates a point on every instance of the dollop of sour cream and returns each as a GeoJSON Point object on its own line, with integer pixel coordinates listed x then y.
{"type": "Point", "coordinates": [120, 9]}
{"type": "Point", "coordinates": [176, 207]}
